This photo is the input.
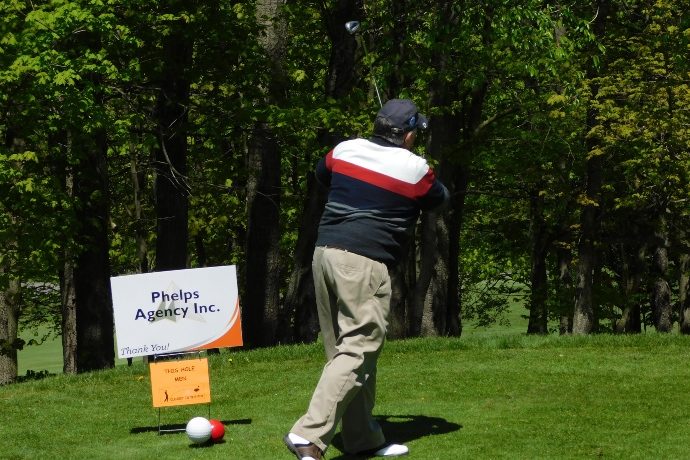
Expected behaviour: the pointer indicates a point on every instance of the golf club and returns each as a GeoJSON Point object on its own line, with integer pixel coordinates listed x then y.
{"type": "Point", "coordinates": [352, 27]}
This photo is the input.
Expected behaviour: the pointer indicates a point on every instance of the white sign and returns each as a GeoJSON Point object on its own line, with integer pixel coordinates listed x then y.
{"type": "Point", "coordinates": [176, 311]}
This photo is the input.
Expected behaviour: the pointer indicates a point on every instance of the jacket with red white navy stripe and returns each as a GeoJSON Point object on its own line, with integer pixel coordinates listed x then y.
{"type": "Point", "coordinates": [377, 191]}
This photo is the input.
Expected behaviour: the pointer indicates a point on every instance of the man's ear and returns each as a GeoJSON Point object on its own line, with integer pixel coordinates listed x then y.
{"type": "Point", "coordinates": [408, 140]}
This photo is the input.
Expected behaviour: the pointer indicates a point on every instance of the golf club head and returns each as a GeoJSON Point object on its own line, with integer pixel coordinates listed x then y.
{"type": "Point", "coordinates": [352, 27]}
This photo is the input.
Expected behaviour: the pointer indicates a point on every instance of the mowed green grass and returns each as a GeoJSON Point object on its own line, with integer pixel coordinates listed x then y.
{"type": "Point", "coordinates": [44, 357]}
{"type": "Point", "coordinates": [507, 396]}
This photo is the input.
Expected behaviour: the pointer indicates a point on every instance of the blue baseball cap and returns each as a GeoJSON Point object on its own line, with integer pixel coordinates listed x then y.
{"type": "Point", "coordinates": [403, 114]}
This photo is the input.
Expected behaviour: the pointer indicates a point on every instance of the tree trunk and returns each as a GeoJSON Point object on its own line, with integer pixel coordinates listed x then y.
{"type": "Point", "coordinates": [138, 176]}
{"type": "Point", "coordinates": [342, 69]}
{"type": "Point", "coordinates": [69, 314]}
{"type": "Point", "coordinates": [453, 320]}
{"type": "Point", "coordinates": [299, 306]}
{"type": "Point", "coordinates": [433, 278]}
{"type": "Point", "coordinates": [583, 315]}
{"type": "Point", "coordinates": [262, 251]}
{"type": "Point", "coordinates": [87, 311]}
{"type": "Point", "coordinates": [436, 298]}
{"type": "Point", "coordinates": [451, 131]}
{"type": "Point", "coordinates": [684, 293]}
{"type": "Point", "coordinates": [10, 298]}
{"type": "Point", "coordinates": [140, 233]}
{"type": "Point", "coordinates": [631, 278]}
{"type": "Point", "coordinates": [10, 291]}
{"type": "Point", "coordinates": [300, 301]}
{"type": "Point", "coordinates": [94, 310]}
{"type": "Point", "coordinates": [398, 80]}
{"type": "Point", "coordinates": [171, 188]}
{"type": "Point", "coordinates": [436, 295]}
{"type": "Point", "coordinates": [564, 291]}
{"type": "Point", "coordinates": [262, 282]}
{"type": "Point", "coordinates": [661, 296]}
{"type": "Point", "coordinates": [538, 314]}
{"type": "Point", "coordinates": [68, 296]}
{"type": "Point", "coordinates": [404, 276]}
{"type": "Point", "coordinates": [400, 284]}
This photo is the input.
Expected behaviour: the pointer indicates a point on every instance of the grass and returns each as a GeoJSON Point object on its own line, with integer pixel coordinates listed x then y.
{"type": "Point", "coordinates": [44, 357]}
{"type": "Point", "coordinates": [496, 396]}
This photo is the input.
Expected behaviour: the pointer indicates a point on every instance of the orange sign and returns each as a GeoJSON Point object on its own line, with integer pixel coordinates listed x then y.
{"type": "Point", "coordinates": [176, 383]}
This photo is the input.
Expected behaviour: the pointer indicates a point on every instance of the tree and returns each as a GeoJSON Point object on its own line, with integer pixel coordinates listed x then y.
{"type": "Point", "coordinates": [340, 78]}
{"type": "Point", "coordinates": [559, 129]}
{"type": "Point", "coordinates": [684, 293]}
{"type": "Point", "coordinates": [262, 274]}
{"type": "Point", "coordinates": [637, 157]}
{"type": "Point", "coordinates": [171, 114]}
{"type": "Point", "coordinates": [87, 305]}
{"type": "Point", "coordinates": [583, 317]}
{"type": "Point", "coordinates": [59, 68]}
{"type": "Point", "coordinates": [496, 66]}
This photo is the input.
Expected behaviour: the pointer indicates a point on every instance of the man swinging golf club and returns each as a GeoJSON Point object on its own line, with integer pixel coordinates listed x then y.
{"type": "Point", "coordinates": [377, 188]}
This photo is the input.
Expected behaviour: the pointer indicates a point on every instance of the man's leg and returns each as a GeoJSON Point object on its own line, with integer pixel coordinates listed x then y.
{"type": "Point", "coordinates": [360, 431]}
{"type": "Point", "coordinates": [362, 289]}
{"type": "Point", "coordinates": [326, 305]}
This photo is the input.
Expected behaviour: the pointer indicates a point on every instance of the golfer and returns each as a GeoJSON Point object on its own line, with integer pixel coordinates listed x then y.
{"type": "Point", "coordinates": [377, 189]}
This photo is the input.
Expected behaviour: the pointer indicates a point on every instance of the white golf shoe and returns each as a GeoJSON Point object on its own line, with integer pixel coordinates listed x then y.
{"type": "Point", "coordinates": [392, 450]}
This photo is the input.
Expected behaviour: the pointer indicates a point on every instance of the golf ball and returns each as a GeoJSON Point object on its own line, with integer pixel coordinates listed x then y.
{"type": "Point", "coordinates": [198, 430]}
{"type": "Point", "coordinates": [217, 430]}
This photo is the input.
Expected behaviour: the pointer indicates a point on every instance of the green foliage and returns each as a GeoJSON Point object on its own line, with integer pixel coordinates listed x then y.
{"type": "Point", "coordinates": [54, 78]}
{"type": "Point", "coordinates": [69, 69]}
{"type": "Point", "coordinates": [7, 346]}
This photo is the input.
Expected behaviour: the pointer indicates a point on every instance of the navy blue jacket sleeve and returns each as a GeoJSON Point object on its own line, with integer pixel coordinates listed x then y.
{"type": "Point", "coordinates": [436, 198]}
{"type": "Point", "coordinates": [323, 172]}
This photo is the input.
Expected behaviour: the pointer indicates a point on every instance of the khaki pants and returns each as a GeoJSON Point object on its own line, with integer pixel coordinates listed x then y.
{"type": "Point", "coordinates": [353, 296]}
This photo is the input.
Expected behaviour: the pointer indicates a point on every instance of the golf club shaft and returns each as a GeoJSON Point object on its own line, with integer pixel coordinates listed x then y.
{"type": "Point", "coordinates": [352, 28]}
{"type": "Point", "coordinates": [371, 70]}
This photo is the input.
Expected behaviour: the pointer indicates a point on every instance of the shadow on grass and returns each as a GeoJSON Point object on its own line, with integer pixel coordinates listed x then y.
{"type": "Point", "coordinates": [180, 427]}
{"type": "Point", "coordinates": [404, 428]}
